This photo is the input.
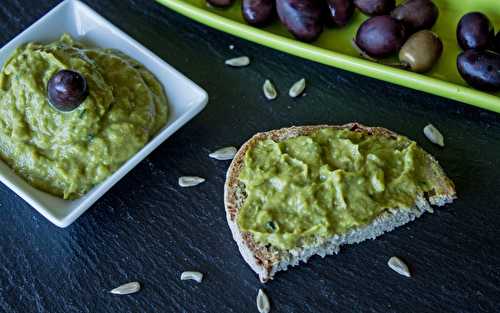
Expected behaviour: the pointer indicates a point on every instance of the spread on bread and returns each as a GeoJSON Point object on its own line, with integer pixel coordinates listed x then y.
{"type": "Point", "coordinates": [326, 183]}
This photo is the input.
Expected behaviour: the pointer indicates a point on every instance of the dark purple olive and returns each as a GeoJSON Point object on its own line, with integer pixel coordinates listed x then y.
{"type": "Point", "coordinates": [475, 31]}
{"type": "Point", "coordinates": [303, 18]}
{"type": "Point", "coordinates": [416, 14]}
{"type": "Point", "coordinates": [220, 3]}
{"type": "Point", "coordinates": [380, 36]}
{"type": "Point", "coordinates": [66, 90]}
{"type": "Point", "coordinates": [258, 12]}
{"type": "Point", "coordinates": [375, 7]}
{"type": "Point", "coordinates": [340, 12]}
{"type": "Point", "coordinates": [480, 69]}
{"type": "Point", "coordinates": [496, 44]}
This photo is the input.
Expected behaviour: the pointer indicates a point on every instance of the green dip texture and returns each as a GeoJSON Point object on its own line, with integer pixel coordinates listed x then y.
{"type": "Point", "coordinates": [326, 183]}
{"type": "Point", "coordinates": [66, 154]}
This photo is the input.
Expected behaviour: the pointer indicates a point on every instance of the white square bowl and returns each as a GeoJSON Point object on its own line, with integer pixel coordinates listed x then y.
{"type": "Point", "coordinates": [186, 99]}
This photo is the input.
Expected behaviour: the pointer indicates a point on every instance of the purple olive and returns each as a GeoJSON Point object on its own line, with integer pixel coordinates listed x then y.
{"type": "Point", "coordinates": [475, 31]}
{"type": "Point", "coordinates": [66, 90]}
{"type": "Point", "coordinates": [480, 69]}
{"type": "Point", "coordinates": [416, 14]}
{"type": "Point", "coordinates": [380, 36]}
{"type": "Point", "coordinates": [340, 11]}
{"type": "Point", "coordinates": [375, 7]}
{"type": "Point", "coordinates": [258, 12]}
{"type": "Point", "coordinates": [220, 3]}
{"type": "Point", "coordinates": [303, 18]}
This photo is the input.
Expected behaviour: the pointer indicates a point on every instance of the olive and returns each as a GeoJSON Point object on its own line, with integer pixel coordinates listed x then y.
{"type": "Point", "coordinates": [220, 3]}
{"type": "Point", "coordinates": [416, 14]}
{"type": "Point", "coordinates": [258, 12]}
{"type": "Point", "coordinates": [421, 51]}
{"type": "Point", "coordinates": [380, 36]}
{"type": "Point", "coordinates": [66, 90]}
{"type": "Point", "coordinates": [480, 69]}
{"type": "Point", "coordinates": [475, 31]}
{"type": "Point", "coordinates": [375, 7]}
{"type": "Point", "coordinates": [340, 11]}
{"type": "Point", "coordinates": [303, 18]}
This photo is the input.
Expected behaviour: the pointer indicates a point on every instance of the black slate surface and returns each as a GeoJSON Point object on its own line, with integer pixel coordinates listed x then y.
{"type": "Point", "coordinates": [148, 229]}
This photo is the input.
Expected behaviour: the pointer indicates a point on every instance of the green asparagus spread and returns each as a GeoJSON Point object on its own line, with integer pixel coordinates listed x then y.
{"type": "Point", "coordinates": [66, 154]}
{"type": "Point", "coordinates": [326, 183]}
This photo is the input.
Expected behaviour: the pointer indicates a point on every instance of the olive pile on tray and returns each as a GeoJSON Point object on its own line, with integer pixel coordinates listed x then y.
{"type": "Point", "coordinates": [479, 63]}
{"type": "Point", "coordinates": [402, 30]}
{"type": "Point", "coordinates": [390, 29]}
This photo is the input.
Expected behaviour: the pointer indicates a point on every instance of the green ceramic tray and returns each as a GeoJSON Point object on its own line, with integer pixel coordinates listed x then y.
{"type": "Point", "coordinates": [334, 46]}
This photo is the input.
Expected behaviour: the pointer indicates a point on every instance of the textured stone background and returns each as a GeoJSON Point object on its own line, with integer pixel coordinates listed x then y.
{"type": "Point", "coordinates": [148, 229]}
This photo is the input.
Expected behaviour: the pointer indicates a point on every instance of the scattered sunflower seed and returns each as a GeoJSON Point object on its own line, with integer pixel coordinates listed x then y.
{"type": "Point", "coordinates": [297, 88]}
{"type": "Point", "coordinates": [400, 267]}
{"type": "Point", "coordinates": [231, 47]}
{"type": "Point", "coordinates": [269, 90]}
{"type": "Point", "coordinates": [263, 302]}
{"type": "Point", "coordinates": [127, 289]}
{"type": "Point", "coordinates": [190, 181]}
{"type": "Point", "coordinates": [433, 134]}
{"type": "Point", "coordinates": [224, 154]}
{"type": "Point", "coordinates": [189, 275]}
{"type": "Point", "coordinates": [238, 62]}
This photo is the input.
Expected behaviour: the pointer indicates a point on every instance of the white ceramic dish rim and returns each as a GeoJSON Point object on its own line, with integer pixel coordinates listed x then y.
{"type": "Point", "coordinates": [77, 207]}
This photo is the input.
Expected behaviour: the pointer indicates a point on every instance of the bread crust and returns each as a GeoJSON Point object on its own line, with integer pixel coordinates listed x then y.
{"type": "Point", "coordinates": [266, 261]}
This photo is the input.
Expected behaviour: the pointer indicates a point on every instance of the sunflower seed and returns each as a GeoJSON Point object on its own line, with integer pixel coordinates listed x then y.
{"type": "Point", "coordinates": [269, 90]}
{"type": "Point", "coordinates": [231, 47]}
{"type": "Point", "coordinates": [189, 275]}
{"type": "Point", "coordinates": [433, 134]}
{"type": "Point", "coordinates": [263, 302]}
{"type": "Point", "coordinates": [190, 181]}
{"type": "Point", "coordinates": [297, 88]}
{"type": "Point", "coordinates": [238, 62]}
{"type": "Point", "coordinates": [397, 265]}
{"type": "Point", "coordinates": [224, 154]}
{"type": "Point", "coordinates": [127, 289]}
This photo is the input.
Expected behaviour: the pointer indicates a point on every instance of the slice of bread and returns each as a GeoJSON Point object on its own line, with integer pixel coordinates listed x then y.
{"type": "Point", "coordinates": [267, 260]}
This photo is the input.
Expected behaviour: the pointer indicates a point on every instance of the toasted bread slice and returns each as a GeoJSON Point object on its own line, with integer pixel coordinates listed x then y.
{"type": "Point", "coordinates": [267, 260]}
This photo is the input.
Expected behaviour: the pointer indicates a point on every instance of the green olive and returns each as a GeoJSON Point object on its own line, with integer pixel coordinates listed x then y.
{"type": "Point", "coordinates": [421, 51]}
